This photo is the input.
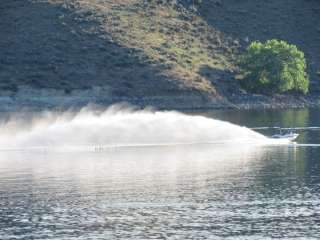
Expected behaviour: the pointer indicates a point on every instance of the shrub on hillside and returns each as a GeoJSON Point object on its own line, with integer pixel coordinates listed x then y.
{"type": "Point", "coordinates": [274, 67]}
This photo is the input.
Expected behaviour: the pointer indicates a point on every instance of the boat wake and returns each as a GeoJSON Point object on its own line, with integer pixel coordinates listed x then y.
{"type": "Point", "coordinates": [119, 126]}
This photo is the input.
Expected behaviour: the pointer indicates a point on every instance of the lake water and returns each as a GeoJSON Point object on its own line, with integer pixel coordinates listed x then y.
{"type": "Point", "coordinates": [187, 191]}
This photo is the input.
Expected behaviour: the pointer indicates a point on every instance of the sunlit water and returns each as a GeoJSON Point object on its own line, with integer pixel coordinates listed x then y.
{"type": "Point", "coordinates": [189, 184]}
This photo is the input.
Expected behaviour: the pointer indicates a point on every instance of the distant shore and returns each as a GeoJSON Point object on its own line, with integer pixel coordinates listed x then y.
{"type": "Point", "coordinates": [50, 99]}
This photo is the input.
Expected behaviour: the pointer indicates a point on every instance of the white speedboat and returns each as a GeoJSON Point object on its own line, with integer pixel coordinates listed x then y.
{"type": "Point", "coordinates": [288, 136]}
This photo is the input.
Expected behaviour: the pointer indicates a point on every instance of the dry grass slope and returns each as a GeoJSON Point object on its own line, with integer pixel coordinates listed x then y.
{"type": "Point", "coordinates": [138, 48]}
{"type": "Point", "coordinates": [132, 47]}
{"type": "Point", "coordinates": [168, 36]}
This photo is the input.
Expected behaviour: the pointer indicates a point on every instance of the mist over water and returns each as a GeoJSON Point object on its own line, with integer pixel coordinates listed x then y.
{"type": "Point", "coordinates": [120, 126]}
{"type": "Point", "coordinates": [242, 187]}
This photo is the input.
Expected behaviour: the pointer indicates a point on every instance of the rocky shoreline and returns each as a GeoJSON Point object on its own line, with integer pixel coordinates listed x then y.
{"type": "Point", "coordinates": [50, 99]}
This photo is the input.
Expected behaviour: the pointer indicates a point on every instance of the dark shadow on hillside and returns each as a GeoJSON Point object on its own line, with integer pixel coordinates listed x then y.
{"type": "Point", "coordinates": [294, 21]}
{"type": "Point", "coordinates": [45, 45]}
{"type": "Point", "coordinates": [223, 81]}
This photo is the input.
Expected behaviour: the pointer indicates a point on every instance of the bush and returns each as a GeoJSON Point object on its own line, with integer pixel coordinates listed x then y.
{"type": "Point", "coordinates": [274, 67]}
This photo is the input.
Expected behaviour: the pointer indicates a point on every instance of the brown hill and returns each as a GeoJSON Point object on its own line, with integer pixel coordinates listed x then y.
{"type": "Point", "coordinates": [136, 49]}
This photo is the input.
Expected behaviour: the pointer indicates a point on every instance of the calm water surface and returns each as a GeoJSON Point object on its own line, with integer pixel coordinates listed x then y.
{"type": "Point", "coordinates": [178, 192]}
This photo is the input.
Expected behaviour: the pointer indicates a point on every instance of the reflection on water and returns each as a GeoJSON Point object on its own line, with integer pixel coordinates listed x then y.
{"type": "Point", "coordinates": [186, 192]}
{"type": "Point", "coordinates": [198, 191]}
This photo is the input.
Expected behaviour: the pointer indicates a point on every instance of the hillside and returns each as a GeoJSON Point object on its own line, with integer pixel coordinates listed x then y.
{"type": "Point", "coordinates": [161, 53]}
{"type": "Point", "coordinates": [297, 22]}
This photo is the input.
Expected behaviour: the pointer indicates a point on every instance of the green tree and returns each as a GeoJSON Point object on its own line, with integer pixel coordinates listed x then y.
{"type": "Point", "coordinates": [274, 67]}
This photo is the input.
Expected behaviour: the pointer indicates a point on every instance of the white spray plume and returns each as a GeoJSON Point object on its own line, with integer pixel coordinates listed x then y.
{"type": "Point", "coordinates": [121, 126]}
